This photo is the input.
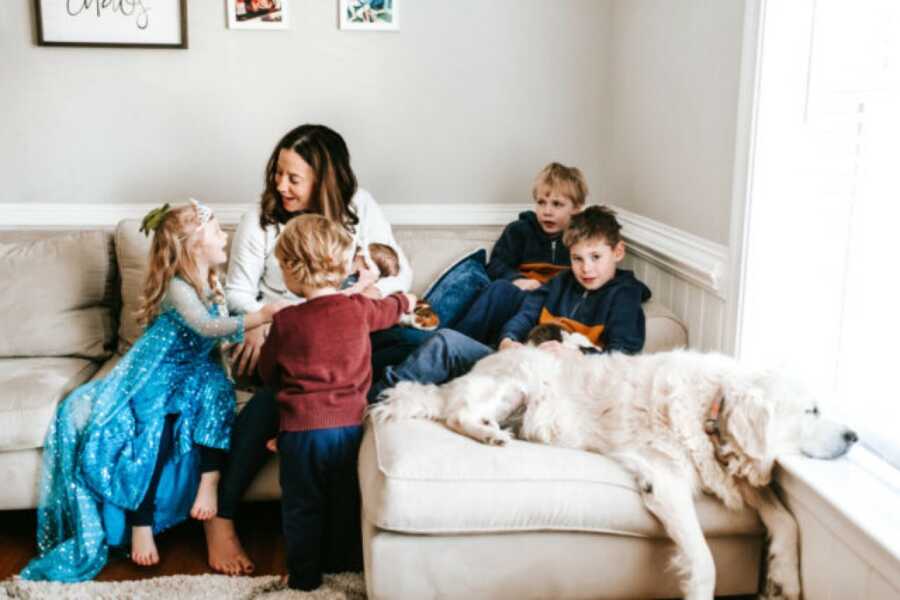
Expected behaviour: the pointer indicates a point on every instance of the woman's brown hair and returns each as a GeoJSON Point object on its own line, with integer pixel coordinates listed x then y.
{"type": "Point", "coordinates": [325, 151]}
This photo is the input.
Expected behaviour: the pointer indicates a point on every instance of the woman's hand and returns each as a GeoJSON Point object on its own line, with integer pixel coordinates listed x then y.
{"type": "Point", "coordinates": [526, 285]}
{"type": "Point", "coordinates": [246, 354]}
{"type": "Point", "coordinates": [509, 343]}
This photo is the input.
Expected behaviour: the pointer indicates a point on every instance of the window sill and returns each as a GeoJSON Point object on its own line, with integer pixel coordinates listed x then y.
{"type": "Point", "coordinates": [858, 507]}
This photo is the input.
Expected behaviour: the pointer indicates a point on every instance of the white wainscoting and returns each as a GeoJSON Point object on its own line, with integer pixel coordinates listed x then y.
{"type": "Point", "coordinates": [684, 272]}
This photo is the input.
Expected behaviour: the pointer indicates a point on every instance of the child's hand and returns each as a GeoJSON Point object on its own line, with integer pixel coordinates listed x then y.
{"type": "Point", "coordinates": [411, 298]}
{"type": "Point", "coordinates": [509, 343]}
{"type": "Point", "coordinates": [272, 445]}
{"type": "Point", "coordinates": [271, 308]}
{"type": "Point", "coordinates": [527, 285]}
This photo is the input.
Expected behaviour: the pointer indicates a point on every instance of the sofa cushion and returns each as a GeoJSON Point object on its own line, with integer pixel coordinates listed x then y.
{"type": "Point", "coordinates": [430, 249]}
{"type": "Point", "coordinates": [419, 477]}
{"type": "Point", "coordinates": [664, 330]}
{"type": "Point", "coordinates": [32, 388]}
{"type": "Point", "coordinates": [132, 251]}
{"type": "Point", "coordinates": [57, 296]}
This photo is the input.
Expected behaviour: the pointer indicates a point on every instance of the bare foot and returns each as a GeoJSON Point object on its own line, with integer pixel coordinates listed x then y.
{"type": "Point", "coordinates": [206, 503]}
{"type": "Point", "coordinates": [226, 555]}
{"type": "Point", "coordinates": [143, 547]}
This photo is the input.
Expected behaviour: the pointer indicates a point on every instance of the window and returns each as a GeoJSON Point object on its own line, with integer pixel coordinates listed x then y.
{"type": "Point", "coordinates": [822, 278]}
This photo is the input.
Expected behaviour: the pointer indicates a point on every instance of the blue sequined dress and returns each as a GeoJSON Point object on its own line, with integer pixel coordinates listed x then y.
{"type": "Point", "coordinates": [101, 449]}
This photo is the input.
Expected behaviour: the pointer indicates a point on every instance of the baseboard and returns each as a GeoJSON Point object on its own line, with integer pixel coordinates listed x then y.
{"type": "Point", "coordinates": [680, 253]}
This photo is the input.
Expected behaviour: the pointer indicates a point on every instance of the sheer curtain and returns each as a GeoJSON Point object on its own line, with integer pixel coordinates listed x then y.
{"type": "Point", "coordinates": [823, 251]}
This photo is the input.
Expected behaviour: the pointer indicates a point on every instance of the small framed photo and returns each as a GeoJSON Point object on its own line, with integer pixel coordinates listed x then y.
{"type": "Point", "coordinates": [116, 24]}
{"type": "Point", "coordinates": [257, 14]}
{"type": "Point", "coordinates": [372, 15]}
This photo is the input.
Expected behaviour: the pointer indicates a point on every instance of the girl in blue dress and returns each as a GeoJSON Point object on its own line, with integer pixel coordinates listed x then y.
{"type": "Point", "coordinates": [134, 453]}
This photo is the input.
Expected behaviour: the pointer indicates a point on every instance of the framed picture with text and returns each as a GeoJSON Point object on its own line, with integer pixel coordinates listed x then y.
{"type": "Point", "coordinates": [369, 15]}
{"type": "Point", "coordinates": [112, 23]}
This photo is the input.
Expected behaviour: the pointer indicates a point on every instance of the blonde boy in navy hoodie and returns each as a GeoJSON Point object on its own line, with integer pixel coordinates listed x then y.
{"type": "Point", "coordinates": [529, 252]}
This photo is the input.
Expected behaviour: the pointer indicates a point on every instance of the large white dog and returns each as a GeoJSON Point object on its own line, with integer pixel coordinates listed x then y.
{"type": "Point", "coordinates": [681, 422]}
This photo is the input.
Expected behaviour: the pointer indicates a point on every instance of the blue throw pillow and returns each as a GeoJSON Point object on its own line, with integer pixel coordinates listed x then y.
{"type": "Point", "coordinates": [457, 287]}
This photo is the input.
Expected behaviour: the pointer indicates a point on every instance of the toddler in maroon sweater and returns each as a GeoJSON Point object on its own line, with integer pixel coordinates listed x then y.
{"type": "Point", "coordinates": [318, 358]}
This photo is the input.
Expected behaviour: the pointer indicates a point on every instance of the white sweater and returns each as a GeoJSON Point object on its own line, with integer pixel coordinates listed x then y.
{"type": "Point", "coordinates": [255, 278]}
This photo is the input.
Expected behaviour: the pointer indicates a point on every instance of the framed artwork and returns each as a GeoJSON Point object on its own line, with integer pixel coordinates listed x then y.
{"type": "Point", "coordinates": [112, 23]}
{"type": "Point", "coordinates": [257, 14]}
{"type": "Point", "coordinates": [369, 15]}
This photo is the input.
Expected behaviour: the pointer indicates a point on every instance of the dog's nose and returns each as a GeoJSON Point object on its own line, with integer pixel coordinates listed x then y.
{"type": "Point", "coordinates": [850, 436]}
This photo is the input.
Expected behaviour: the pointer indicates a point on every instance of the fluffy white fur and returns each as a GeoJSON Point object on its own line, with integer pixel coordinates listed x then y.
{"type": "Point", "coordinates": [648, 413]}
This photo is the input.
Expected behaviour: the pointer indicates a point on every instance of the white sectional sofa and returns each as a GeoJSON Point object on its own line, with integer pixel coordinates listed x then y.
{"type": "Point", "coordinates": [443, 516]}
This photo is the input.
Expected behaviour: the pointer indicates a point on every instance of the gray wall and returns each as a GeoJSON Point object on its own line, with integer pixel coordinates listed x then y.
{"type": "Point", "coordinates": [465, 104]}
{"type": "Point", "coordinates": [674, 77]}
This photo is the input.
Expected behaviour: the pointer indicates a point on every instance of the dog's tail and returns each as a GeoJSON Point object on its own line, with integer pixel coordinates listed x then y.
{"type": "Point", "coordinates": [409, 400]}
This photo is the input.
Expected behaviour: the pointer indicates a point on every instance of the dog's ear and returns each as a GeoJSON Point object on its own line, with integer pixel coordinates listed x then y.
{"type": "Point", "coordinates": [748, 423]}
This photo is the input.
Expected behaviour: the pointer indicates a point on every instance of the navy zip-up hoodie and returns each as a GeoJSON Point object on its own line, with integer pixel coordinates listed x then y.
{"type": "Point", "coordinates": [524, 242]}
{"type": "Point", "coordinates": [610, 316]}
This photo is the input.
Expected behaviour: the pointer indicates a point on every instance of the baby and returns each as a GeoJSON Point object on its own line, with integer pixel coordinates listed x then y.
{"type": "Point", "coordinates": [380, 256]}
{"type": "Point", "coordinates": [385, 259]}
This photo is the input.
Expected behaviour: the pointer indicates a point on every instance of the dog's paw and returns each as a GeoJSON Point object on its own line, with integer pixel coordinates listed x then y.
{"type": "Point", "coordinates": [776, 590]}
{"type": "Point", "coordinates": [782, 582]}
{"type": "Point", "coordinates": [500, 437]}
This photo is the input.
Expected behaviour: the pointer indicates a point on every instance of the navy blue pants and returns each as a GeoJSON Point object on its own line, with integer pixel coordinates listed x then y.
{"type": "Point", "coordinates": [258, 421]}
{"type": "Point", "coordinates": [320, 503]}
{"type": "Point", "coordinates": [497, 304]}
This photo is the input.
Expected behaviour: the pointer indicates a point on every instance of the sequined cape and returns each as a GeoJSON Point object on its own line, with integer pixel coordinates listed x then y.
{"type": "Point", "coordinates": [101, 449]}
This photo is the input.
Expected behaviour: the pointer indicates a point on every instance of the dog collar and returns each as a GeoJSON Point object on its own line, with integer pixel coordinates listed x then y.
{"type": "Point", "coordinates": [711, 425]}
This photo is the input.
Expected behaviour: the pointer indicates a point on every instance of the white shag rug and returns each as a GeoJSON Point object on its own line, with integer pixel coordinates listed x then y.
{"type": "Point", "coordinates": [343, 586]}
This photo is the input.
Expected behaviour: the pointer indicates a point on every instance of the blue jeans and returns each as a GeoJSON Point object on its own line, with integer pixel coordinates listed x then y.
{"type": "Point", "coordinates": [320, 503]}
{"type": "Point", "coordinates": [445, 355]}
{"type": "Point", "coordinates": [497, 304]}
{"type": "Point", "coordinates": [392, 346]}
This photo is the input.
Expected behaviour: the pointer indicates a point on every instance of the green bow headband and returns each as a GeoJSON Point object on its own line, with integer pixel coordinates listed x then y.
{"type": "Point", "coordinates": [153, 218]}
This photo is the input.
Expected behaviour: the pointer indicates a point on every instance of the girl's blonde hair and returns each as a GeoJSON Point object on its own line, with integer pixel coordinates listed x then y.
{"type": "Point", "coordinates": [171, 254]}
{"type": "Point", "coordinates": [314, 251]}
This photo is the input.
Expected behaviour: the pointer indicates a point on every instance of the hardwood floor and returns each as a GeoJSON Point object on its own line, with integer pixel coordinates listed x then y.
{"type": "Point", "coordinates": [182, 548]}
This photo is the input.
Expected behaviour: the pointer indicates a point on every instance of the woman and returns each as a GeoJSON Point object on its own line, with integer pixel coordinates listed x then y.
{"type": "Point", "coordinates": [308, 171]}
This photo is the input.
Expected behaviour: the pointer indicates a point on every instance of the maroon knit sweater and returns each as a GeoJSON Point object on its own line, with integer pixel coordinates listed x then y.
{"type": "Point", "coordinates": [318, 356]}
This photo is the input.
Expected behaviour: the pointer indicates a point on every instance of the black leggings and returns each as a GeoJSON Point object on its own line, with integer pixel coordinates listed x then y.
{"type": "Point", "coordinates": [253, 427]}
{"type": "Point", "coordinates": [211, 459]}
